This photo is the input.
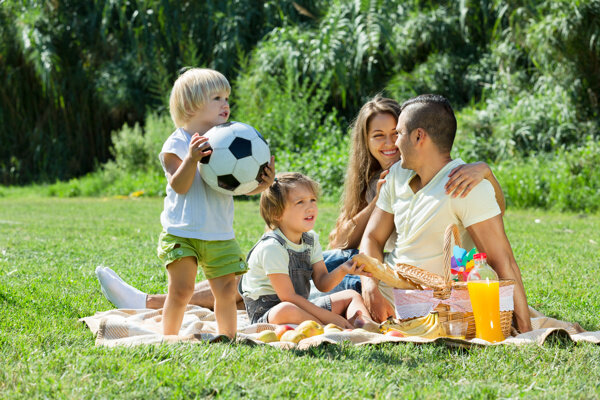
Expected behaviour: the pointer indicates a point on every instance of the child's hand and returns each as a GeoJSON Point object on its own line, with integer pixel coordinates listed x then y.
{"type": "Point", "coordinates": [268, 177]}
{"type": "Point", "coordinates": [352, 268]}
{"type": "Point", "coordinates": [341, 321]}
{"type": "Point", "coordinates": [199, 148]}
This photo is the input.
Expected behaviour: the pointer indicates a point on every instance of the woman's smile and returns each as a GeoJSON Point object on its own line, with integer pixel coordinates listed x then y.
{"type": "Point", "coordinates": [390, 153]}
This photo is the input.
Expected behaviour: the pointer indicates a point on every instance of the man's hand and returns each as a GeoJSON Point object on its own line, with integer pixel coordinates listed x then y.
{"type": "Point", "coordinates": [379, 308]}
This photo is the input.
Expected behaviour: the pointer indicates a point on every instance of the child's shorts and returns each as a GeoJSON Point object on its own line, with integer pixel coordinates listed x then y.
{"type": "Point", "coordinates": [216, 257]}
{"type": "Point", "coordinates": [258, 310]}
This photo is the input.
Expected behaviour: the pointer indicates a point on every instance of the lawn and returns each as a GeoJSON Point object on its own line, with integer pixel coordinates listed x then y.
{"type": "Point", "coordinates": [50, 247]}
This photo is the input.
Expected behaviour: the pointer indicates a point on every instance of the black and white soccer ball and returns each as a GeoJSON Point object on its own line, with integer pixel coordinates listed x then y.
{"type": "Point", "coordinates": [239, 155]}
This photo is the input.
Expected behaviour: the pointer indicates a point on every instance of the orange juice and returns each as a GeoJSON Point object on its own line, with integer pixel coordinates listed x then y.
{"type": "Point", "coordinates": [485, 300]}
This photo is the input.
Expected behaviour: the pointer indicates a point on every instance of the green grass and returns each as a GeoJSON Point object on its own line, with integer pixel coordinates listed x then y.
{"type": "Point", "coordinates": [49, 248]}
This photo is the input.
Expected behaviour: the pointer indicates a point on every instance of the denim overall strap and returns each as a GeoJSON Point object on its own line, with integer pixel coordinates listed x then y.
{"type": "Point", "coordinates": [300, 268]}
{"type": "Point", "coordinates": [268, 235]}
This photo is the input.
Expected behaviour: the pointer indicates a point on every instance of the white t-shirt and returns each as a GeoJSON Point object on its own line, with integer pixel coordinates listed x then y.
{"type": "Point", "coordinates": [421, 218]}
{"type": "Point", "coordinates": [270, 257]}
{"type": "Point", "coordinates": [201, 213]}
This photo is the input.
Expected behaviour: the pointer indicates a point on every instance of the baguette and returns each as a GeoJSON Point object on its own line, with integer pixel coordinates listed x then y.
{"type": "Point", "coordinates": [422, 277]}
{"type": "Point", "coordinates": [383, 272]}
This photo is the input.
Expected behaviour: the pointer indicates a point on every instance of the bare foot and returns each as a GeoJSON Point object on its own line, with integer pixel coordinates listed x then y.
{"type": "Point", "coordinates": [358, 320]}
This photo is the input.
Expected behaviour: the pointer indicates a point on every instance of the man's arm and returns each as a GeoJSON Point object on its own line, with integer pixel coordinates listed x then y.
{"type": "Point", "coordinates": [489, 237]}
{"type": "Point", "coordinates": [378, 230]}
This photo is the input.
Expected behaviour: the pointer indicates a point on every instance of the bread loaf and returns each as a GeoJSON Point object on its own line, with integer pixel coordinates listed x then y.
{"type": "Point", "coordinates": [402, 276]}
{"type": "Point", "coordinates": [421, 277]}
{"type": "Point", "coordinates": [383, 272]}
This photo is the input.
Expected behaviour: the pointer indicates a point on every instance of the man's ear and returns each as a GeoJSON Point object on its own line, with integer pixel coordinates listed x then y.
{"type": "Point", "coordinates": [420, 135]}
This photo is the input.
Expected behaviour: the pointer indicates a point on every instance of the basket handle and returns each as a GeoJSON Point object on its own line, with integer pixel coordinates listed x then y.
{"type": "Point", "coordinates": [451, 231]}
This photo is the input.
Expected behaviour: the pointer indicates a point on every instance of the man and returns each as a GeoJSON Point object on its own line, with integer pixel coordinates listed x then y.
{"type": "Point", "coordinates": [414, 202]}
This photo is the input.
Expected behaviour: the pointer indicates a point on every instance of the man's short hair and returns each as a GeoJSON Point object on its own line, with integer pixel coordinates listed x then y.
{"type": "Point", "coordinates": [434, 114]}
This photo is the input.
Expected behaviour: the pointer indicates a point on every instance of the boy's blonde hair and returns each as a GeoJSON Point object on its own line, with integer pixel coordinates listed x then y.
{"type": "Point", "coordinates": [192, 90]}
{"type": "Point", "coordinates": [273, 200]}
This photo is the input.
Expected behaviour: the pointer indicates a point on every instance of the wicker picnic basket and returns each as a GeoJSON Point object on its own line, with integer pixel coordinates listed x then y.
{"type": "Point", "coordinates": [404, 276]}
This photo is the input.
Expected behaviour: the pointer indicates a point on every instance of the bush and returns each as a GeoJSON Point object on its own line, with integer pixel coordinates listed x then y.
{"type": "Point", "coordinates": [524, 76]}
{"type": "Point", "coordinates": [137, 149]}
{"type": "Point", "coordinates": [516, 124]}
{"type": "Point", "coordinates": [291, 115]}
{"type": "Point", "coordinates": [324, 160]}
{"type": "Point", "coordinates": [564, 180]}
{"type": "Point", "coordinates": [135, 170]}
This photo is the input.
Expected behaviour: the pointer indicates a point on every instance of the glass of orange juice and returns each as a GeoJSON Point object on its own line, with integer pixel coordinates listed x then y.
{"type": "Point", "coordinates": [484, 292]}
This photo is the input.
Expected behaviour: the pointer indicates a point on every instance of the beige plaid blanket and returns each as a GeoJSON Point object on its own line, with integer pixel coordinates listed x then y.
{"type": "Point", "coordinates": [134, 327]}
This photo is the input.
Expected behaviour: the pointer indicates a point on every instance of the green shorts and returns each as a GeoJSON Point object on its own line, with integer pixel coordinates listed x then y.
{"type": "Point", "coordinates": [216, 257]}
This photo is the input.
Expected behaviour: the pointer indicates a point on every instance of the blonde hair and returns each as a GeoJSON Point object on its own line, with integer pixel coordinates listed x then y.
{"type": "Point", "coordinates": [273, 200]}
{"type": "Point", "coordinates": [192, 90]}
{"type": "Point", "coordinates": [362, 166]}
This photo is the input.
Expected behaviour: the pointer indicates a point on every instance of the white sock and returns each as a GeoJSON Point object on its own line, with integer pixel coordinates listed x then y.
{"type": "Point", "coordinates": [113, 273]}
{"type": "Point", "coordinates": [118, 292]}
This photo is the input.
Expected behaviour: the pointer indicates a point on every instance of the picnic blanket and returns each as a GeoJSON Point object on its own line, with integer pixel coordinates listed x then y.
{"type": "Point", "coordinates": [125, 327]}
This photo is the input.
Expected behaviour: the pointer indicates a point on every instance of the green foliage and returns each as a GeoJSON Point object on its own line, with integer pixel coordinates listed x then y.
{"type": "Point", "coordinates": [71, 72]}
{"type": "Point", "coordinates": [542, 96]}
{"type": "Point", "coordinates": [563, 44]}
{"type": "Point", "coordinates": [135, 168]}
{"type": "Point", "coordinates": [136, 149]}
{"type": "Point", "coordinates": [523, 76]}
{"type": "Point", "coordinates": [291, 115]}
{"type": "Point", "coordinates": [324, 160]}
{"type": "Point", "coordinates": [345, 46]}
{"type": "Point", "coordinates": [438, 75]}
{"type": "Point", "coordinates": [520, 123]}
{"type": "Point", "coordinates": [565, 181]}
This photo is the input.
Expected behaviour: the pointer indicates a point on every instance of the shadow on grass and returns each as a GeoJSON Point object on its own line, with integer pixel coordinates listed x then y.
{"type": "Point", "coordinates": [6, 299]}
{"type": "Point", "coordinates": [386, 353]}
{"type": "Point", "coordinates": [392, 353]}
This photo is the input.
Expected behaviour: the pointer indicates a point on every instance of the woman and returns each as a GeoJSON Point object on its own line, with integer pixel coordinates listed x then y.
{"type": "Point", "coordinates": [373, 151]}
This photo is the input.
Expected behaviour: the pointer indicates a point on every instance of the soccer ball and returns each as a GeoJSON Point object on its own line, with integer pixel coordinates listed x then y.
{"type": "Point", "coordinates": [239, 155]}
